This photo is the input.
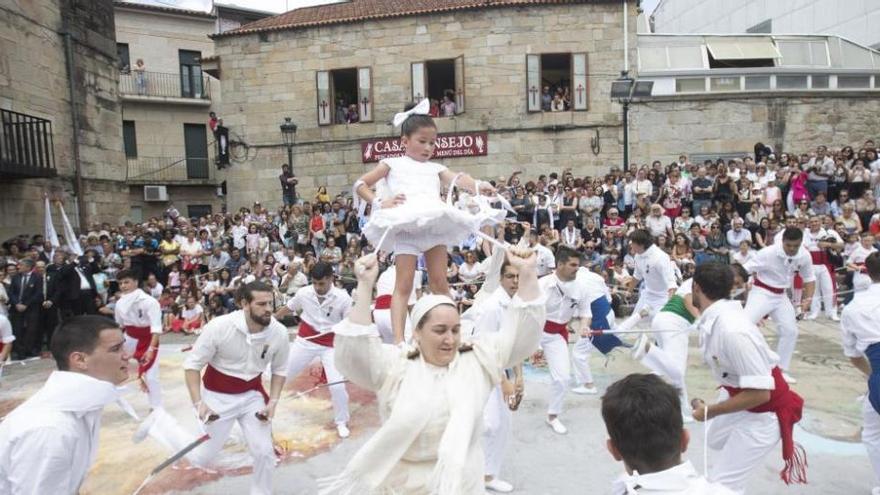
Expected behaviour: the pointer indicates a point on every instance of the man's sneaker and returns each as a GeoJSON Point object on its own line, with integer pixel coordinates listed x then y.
{"type": "Point", "coordinates": [641, 347]}
{"type": "Point", "coordinates": [811, 316]}
{"type": "Point", "coordinates": [343, 430]}
{"type": "Point", "coordinates": [584, 390]}
{"type": "Point", "coordinates": [788, 378]}
{"type": "Point", "coordinates": [557, 426]}
{"type": "Point", "coordinates": [499, 486]}
{"type": "Point", "coordinates": [834, 317]}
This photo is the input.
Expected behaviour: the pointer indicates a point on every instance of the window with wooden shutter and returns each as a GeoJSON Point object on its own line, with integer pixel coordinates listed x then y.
{"type": "Point", "coordinates": [533, 83]}
{"type": "Point", "coordinates": [325, 100]}
{"type": "Point", "coordinates": [459, 85]}
{"type": "Point", "coordinates": [579, 87]}
{"type": "Point", "coordinates": [365, 94]}
{"type": "Point", "coordinates": [419, 88]}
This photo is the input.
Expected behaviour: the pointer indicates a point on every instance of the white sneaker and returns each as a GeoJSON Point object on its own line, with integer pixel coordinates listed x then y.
{"type": "Point", "coordinates": [499, 486]}
{"type": "Point", "coordinates": [788, 378]}
{"type": "Point", "coordinates": [343, 430]}
{"type": "Point", "coordinates": [811, 317]}
{"type": "Point", "coordinates": [557, 426]}
{"type": "Point", "coordinates": [584, 390]}
{"type": "Point", "coordinates": [834, 317]}
{"type": "Point", "coordinates": [641, 347]}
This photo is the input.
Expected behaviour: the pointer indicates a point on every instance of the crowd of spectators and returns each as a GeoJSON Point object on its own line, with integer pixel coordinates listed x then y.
{"type": "Point", "coordinates": [720, 210]}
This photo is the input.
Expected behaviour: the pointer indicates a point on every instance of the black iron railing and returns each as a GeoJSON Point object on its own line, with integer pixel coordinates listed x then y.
{"type": "Point", "coordinates": [146, 83]}
{"type": "Point", "coordinates": [26, 146]}
{"type": "Point", "coordinates": [158, 169]}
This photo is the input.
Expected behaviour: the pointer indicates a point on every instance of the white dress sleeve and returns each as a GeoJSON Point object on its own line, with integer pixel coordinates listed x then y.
{"type": "Point", "coordinates": [361, 356]}
{"type": "Point", "coordinates": [521, 328]}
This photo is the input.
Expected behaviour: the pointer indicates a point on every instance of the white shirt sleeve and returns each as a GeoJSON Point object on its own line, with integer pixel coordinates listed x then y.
{"type": "Point", "coordinates": [40, 462]}
{"type": "Point", "coordinates": [203, 349]}
{"type": "Point", "coordinates": [745, 360]}
{"type": "Point", "coordinates": [280, 357]}
{"type": "Point", "coordinates": [154, 312]}
{"type": "Point", "coordinates": [805, 267]}
{"type": "Point", "coordinates": [847, 322]}
{"type": "Point", "coordinates": [295, 303]}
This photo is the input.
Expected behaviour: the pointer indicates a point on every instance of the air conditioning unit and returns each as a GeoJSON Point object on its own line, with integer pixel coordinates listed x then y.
{"type": "Point", "coordinates": [155, 193]}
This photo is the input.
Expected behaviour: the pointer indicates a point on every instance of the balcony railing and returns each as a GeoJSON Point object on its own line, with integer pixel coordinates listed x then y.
{"type": "Point", "coordinates": [26, 146]}
{"type": "Point", "coordinates": [162, 85]}
{"type": "Point", "coordinates": [177, 170]}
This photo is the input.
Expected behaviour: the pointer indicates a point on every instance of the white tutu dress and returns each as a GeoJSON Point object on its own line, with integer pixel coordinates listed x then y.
{"type": "Point", "coordinates": [424, 220]}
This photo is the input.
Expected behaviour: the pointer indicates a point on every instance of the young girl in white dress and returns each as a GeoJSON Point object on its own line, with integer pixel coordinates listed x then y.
{"type": "Point", "coordinates": [408, 207]}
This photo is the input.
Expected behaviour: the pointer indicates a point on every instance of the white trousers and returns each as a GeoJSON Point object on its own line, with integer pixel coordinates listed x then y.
{"type": "Point", "coordinates": [382, 319]}
{"type": "Point", "coordinates": [824, 292]}
{"type": "Point", "coordinates": [580, 360]}
{"type": "Point", "coordinates": [241, 408]}
{"type": "Point", "coordinates": [742, 439]}
{"type": "Point", "coordinates": [861, 281]}
{"type": "Point", "coordinates": [496, 422]}
{"type": "Point", "coordinates": [653, 300]}
{"type": "Point", "coordinates": [151, 377]}
{"type": "Point", "coordinates": [668, 357]}
{"type": "Point", "coordinates": [761, 303]}
{"type": "Point", "coordinates": [871, 435]}
{"type": "Point", "coordinates": [556, 353]}
{"type": "Point", "coordinates": [302, 353]}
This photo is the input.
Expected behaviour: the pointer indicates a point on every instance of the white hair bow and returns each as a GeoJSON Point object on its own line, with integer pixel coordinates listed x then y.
{"type": "Point", "coordinates": [423, 108]}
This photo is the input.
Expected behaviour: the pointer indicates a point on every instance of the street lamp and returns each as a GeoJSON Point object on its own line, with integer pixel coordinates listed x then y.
{"type": "Point", "coordinates": [288, 134]}
{"type": "Point", "coordinates": [624, 89]}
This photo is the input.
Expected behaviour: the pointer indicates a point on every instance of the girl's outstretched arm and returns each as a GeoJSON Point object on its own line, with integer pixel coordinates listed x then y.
{"type": "Point", "coordinates": [465, 182]}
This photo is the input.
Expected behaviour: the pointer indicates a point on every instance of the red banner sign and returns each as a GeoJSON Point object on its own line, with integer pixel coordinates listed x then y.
{"type": "Point", "coordinates": [451, 145]}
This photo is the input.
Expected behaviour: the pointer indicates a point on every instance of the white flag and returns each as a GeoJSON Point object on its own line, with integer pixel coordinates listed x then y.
{"type": "Point", "coordinates": [72, 241]}
{"type": "Point", "coordinates": [50, 234]}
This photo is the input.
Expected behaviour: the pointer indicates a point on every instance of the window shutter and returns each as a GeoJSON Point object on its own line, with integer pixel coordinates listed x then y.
{"type": "Point", "coordinates": [325, 103]}
{"type": "Point", "coordinates": [459, 84]}
{"type": "Point", "coordinates": [419, 89]}
{"type": "Point", "coordinates": [365, 94]}
{"type": "Point", "coordinates": [533, 83]}
{"type": "Point", "coordinates": [579, 92]}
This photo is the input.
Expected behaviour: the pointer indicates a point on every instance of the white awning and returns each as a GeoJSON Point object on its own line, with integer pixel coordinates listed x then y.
{"type": "Point", "coordinates": [725, 48]}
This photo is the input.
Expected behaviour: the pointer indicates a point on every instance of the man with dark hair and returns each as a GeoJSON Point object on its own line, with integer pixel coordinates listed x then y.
{"type": "Point", "coordinates": [140, 316]}
{"type": "Point", "coordinates": [25, 301]}
{"type": "Point", "coordinates": [818, 241]}
{"type": "Point", "coordinates": [860, 326]}
{"type": "Point", "coordinates": [77, 286]}
{"type": "Point", "coordinates": [288, 185]}
{"type": "Point", "coordinates": [320, 306]}
{"type": "Point", "coordinates": [643, 417]}
{"type": "Point", "coordinates": [755, 407]}
{"type": "Point", "coordinates": [235, 350]}
{"type": "Point", "coordinates": [48, 443]}
{"type": "Point", "coordinates": [773, 268]}
{"type": "Point", "coordinates": [567, 300]}
{"type": "Point", "coordinates": [655, 269]}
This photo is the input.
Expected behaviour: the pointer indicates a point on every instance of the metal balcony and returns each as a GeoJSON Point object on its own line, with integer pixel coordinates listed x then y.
{"type": "Point", "coordinates": [193, 171]}
{"type": "Point", "coordinates": [146, 86]}
{"type": "Point", "coordinates": [26, 146]}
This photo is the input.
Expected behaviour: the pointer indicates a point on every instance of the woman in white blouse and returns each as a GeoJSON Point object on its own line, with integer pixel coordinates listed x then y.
{"type": "Point", "coordinates": [431, 398]}
{"type": "Point", "coordinates": [469, 271]}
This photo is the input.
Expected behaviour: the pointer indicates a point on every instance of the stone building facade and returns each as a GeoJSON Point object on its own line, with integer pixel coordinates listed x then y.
{"type": "Point", "coordinates": [37, 40]}
{"type": "Point", "coordinates": [288, 65]}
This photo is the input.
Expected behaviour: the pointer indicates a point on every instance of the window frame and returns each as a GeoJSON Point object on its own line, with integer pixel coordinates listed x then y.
{"type": "Point", "coordinates": [133, 138]}
{"type": "Point", "coordinates": [329, 105]}
{"type": "Point", "coordinates": [586, 76]}
{"type": "Point", "coordinates": [422, 67]}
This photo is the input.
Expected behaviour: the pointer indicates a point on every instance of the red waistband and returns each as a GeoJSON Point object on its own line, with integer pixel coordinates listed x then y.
{"type": "Point", "coordinates": [819, 257]}
{"type": "Point", "coordinates": [762, 285]}
{"type": "Point", "coordinates": [144, 338]}
{"type": "Point", "coordinates": [306, 330]}
{"type": "Point", "coordinates": [137, 332]}
{"type": "Point", "coordinates": [553, 327]}
{"type": "Point", "coordinates": [217, 381]}
{"type": "Point", "coordinates": [383, 302]}
{"type": "Point", "coordinates": [788, 407]}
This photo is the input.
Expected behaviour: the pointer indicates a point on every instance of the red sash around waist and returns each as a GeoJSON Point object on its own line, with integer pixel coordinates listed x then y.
{"type": "Point", "coordinates": [819, 257]}
{"type": "Point", "coordinates": [775, 290]}
{"type": "Point", "coordinates": [144, 337]}
{"type": "Point", "coordinates": [307, 331]}
{"type": "Point", "coordinates": [383, 302]}
{"type": "Point", "coordinates": [217, 381]}
{"type": "Point", "coordinates": [788, 407]}
{"type": "Point", "coordinates": [557, 328]}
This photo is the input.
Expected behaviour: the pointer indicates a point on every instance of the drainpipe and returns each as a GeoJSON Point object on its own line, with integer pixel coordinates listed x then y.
{"type": "Point", "coordinates": [625, 70]}
{"type": "Point", "coordinates": [74, 114]}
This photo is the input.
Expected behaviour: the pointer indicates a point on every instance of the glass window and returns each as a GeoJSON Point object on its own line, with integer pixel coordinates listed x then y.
{"type": "Point", "coordinates": [123, 59]}
{"type": "Point", "coordinates": [690, 85]}
{"type": "Point", "coordinates": [757, 83]}
{"type": "Point", "coordinates": [724, 83]}
{"type": "Point", "coordinates": [653, 58]}
{"type": "Point", "coordinates": [819, 82]}
{"type": "Point", "coordinates": [855, 56]}
{"type": "Point", "coordinates": [791, 82]}
{"type": "Point", "coordinates": [129, 139]}
{"type": "Point", "coordinates": [819, 53]}
{"type": "Point", "coordinates": [853, 82]}
{"type": "Point", "coordinates": [685, 57]}
{"type": "Point", "coordinates": [794, 52]}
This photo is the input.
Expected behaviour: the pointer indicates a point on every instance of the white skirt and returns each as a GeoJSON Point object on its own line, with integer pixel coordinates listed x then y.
{"type": "Point", "coordinates": [420, 224]}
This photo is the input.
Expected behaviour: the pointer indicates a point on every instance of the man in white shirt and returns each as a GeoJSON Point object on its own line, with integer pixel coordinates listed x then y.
{"type": "Point", "coordinates": [855, 262]}
{"type": "Point", "coordinates": [217, 260]}
{"type": "Point", "coordinates": [382, 306]}
{"type": "Point", "coordinates": [140, 317]}
{"type": "Point", "coordinates": [48, 443]}
{"type": "Point", "coordinates": [655, 269]}
{"type": "Point", "coordinates": [773, 270]}
{"type": "Point", "coordinates": [643, 410]}
{"type": "Point", "coordinates": [755, 407]}
{"type": "Point", "coordinates": [320, 306]}
{"type": "Point", "coordinates": [235, 350]}
{"type": "Point", "coordinates": [818, 241]}
{"type": "Point", "coordinates": [658, 224]}
{"type": "Point", "coordinates": [860, 327]}
{"type": "Point", "coordinates": [546, 260]}
{"type": "Point", "coordinates": [566, 300]}
{"type": "Point", "coordinates": [154, 287]}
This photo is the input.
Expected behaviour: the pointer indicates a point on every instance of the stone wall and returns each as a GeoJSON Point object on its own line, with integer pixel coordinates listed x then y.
{"type": "Point", "coordinates": [663, 128]}
{"type": "Point", "coordinates": [34, 81]}
{"type": "Point", "coordinates": [270, 76]}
